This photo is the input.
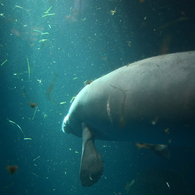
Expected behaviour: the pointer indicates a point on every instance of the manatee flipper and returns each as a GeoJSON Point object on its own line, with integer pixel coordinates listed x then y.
{"type": "Point", "coordinates": [91, 167]}
{"type": "Point", "coordinates": [160, 149]}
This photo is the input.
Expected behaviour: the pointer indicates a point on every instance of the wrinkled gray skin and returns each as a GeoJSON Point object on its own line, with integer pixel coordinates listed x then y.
{"type": "Point", "coordinates": [149, 101]}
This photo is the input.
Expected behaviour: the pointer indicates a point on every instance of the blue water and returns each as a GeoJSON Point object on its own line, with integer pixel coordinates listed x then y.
{"type": "Point", "coordinates": [48, 49]}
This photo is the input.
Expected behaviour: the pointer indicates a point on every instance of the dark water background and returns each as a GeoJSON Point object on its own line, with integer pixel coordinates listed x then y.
{"type": "Point", "coordinates": [75, 41]}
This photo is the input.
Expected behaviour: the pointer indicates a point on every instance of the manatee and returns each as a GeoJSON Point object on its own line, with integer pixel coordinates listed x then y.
{"type": "Point", "coordinates": [150, 102]}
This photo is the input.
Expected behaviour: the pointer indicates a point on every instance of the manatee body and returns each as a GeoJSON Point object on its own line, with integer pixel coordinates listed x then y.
{"type": "Point", "coordinates": [149, 101]}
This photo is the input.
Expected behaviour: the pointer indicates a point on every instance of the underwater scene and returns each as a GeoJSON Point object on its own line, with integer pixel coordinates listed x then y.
{"type": "Point", "coordinates": [56, 140]}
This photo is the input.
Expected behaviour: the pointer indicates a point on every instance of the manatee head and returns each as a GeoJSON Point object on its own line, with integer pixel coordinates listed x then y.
{"type": "Point", "coordinates": [65, 125]}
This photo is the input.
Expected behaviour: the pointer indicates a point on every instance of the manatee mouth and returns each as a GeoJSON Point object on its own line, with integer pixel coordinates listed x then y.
{"type": "Point", "coordinates": [65, 127]}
